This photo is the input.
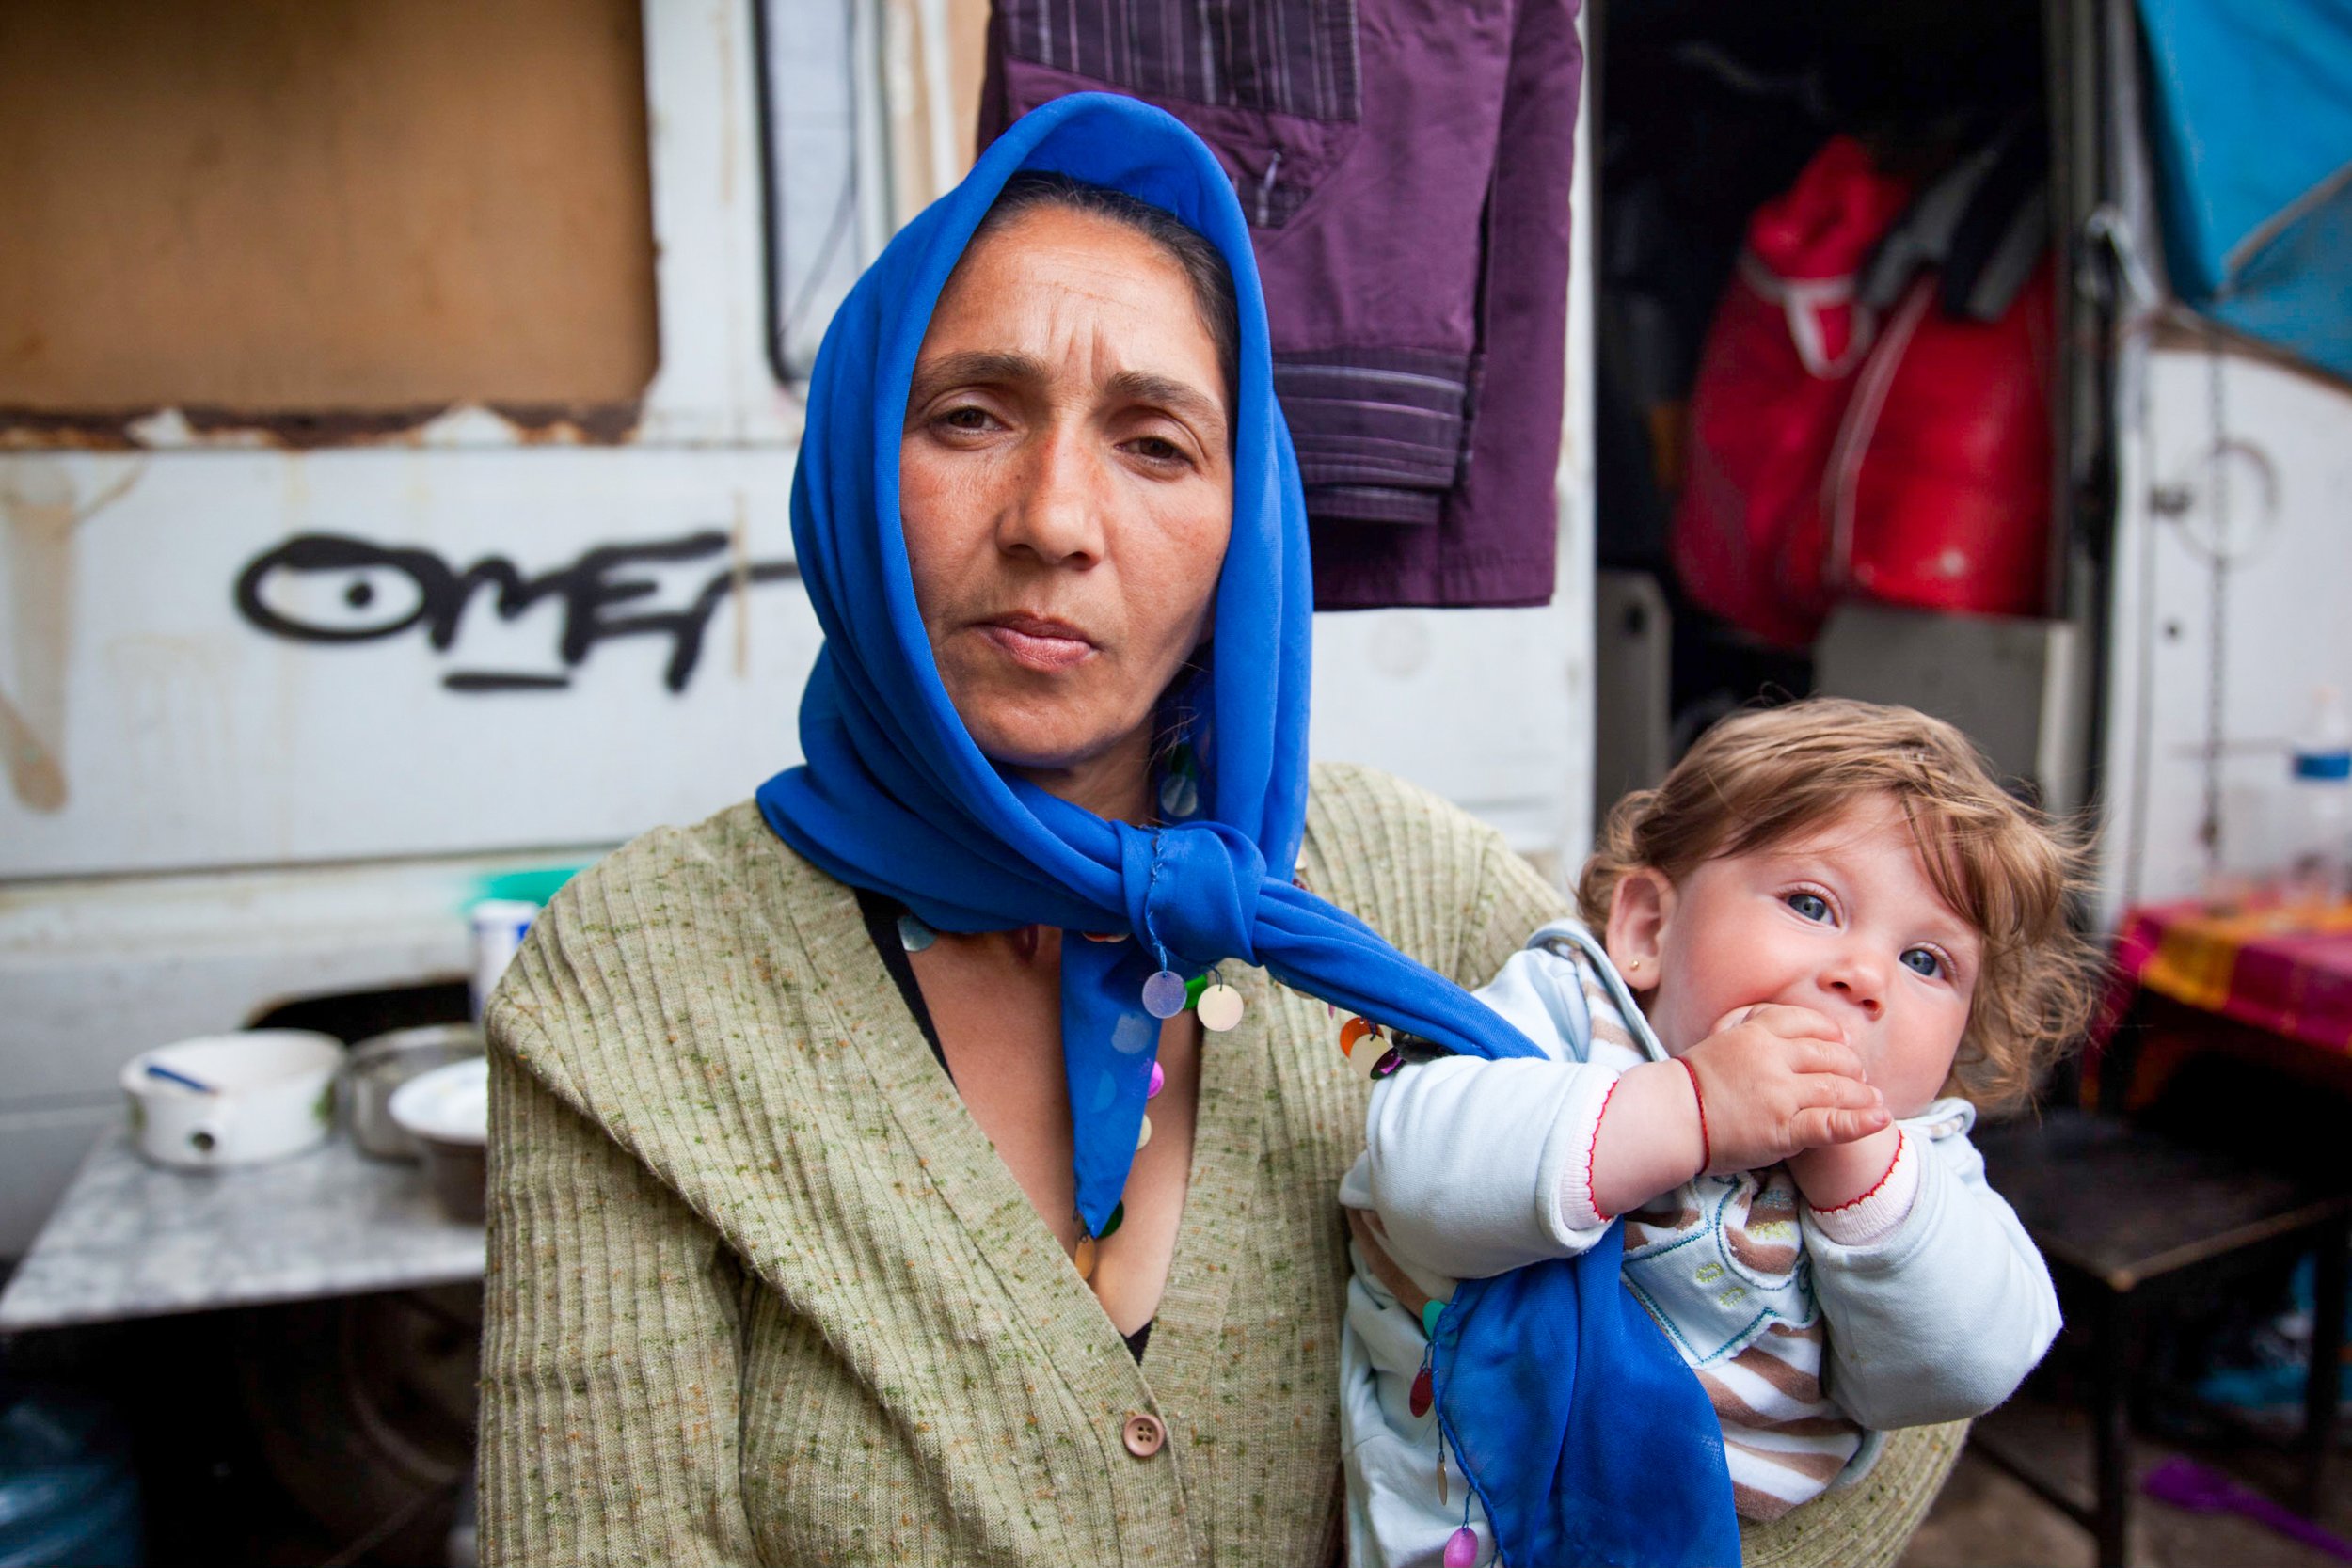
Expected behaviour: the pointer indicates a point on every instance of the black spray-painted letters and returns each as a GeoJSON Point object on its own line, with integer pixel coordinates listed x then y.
{"type": "Point", "coordinates": [597, 591]}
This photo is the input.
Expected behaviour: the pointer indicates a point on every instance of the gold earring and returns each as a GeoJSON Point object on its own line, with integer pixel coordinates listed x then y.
{"type": "Point", "coordinates": [1634, 965]}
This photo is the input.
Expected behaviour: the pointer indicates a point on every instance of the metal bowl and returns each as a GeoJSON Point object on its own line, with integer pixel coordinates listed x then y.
{"type": "Point", "coordinates": [447, 1111]}
{"type": "Point", "coordinates": [383, 1063]}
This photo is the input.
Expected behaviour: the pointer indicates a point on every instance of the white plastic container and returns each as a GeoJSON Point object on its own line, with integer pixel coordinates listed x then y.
{"type": "Point", "coordinates": [234, 1099]}
{"type": "Point", "coordinates": [2318, 817]}
{"type": "Point", "coordinates": [499, 926]}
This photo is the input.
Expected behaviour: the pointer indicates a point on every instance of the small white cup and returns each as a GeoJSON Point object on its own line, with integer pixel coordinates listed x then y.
{"type": "Point", "coordinates": [499, 926]}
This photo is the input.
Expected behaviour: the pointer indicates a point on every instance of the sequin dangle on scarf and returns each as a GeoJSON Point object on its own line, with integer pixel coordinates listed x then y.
{"type": "Point", "coordinates": [1461, 1547]}
{"type": "Point", "coordinates": [1367, 1049]}
{"type": "Point", "coordinates": [1179, 793]}
{"type": "Point", "coordinates": [1180, 787]}
{"type": "Point", "coordinates": [1218, 1004]}
{"type": "Point", "coordinates": [1164, 993]}
{"type": "Point", "coordinates": [1082, 1257]}
{"type": "Point", "coordinates": [914, 935]}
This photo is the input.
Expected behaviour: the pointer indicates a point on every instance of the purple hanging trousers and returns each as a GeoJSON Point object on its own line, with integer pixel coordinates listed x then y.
{"type": "Point", "coordinates": [1405, 166]}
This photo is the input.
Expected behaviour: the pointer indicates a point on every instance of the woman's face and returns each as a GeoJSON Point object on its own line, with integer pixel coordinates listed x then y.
{"type": "Point", "coordinates": [1065, 486]}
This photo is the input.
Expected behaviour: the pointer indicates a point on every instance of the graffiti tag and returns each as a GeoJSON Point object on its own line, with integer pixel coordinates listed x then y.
{"type": "Point", "coordinates": [388, 590]}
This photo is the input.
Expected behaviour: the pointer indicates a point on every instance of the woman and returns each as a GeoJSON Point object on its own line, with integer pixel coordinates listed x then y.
{"type": "Point", "coordinates": [850, 1204]}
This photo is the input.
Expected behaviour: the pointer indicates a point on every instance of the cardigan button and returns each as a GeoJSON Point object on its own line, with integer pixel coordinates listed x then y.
{"type": "Point", "coordinates": [1144, 1436]}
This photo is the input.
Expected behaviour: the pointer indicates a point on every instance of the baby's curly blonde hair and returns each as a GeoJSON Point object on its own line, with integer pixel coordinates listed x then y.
{"type": "Point", "coordinates": [1764, 776]}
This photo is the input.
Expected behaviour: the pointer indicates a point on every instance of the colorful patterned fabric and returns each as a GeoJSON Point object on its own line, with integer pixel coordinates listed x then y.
{"type": "Point", "coordinates": [2288, 971]}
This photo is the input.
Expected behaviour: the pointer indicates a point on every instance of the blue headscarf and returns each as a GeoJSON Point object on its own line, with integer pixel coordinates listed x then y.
{"type": "Point", "coordinates": [896, 797]}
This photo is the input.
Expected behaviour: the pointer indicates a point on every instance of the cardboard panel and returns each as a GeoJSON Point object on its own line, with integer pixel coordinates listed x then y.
{"type": "Point", "coordinates": [305, 205]}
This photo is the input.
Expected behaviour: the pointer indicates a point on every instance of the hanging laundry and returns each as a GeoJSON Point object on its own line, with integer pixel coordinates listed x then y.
{"type": "Point", "coordinates": [1405, 167]}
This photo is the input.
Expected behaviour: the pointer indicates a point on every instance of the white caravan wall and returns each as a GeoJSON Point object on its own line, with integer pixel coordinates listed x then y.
{"type": "Point", "coordinates": [2284, 625]}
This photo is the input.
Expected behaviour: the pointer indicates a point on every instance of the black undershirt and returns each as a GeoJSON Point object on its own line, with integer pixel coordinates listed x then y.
{"type": "Point", "coordinates": [881, 925]}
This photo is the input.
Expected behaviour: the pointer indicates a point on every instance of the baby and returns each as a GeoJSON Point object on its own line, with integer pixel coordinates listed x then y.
{"type": "Point", "coordinates": [1812, 953]}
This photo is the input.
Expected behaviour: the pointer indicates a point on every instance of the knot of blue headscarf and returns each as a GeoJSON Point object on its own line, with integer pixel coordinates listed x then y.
{"type": "Point", "coordinates": [894, 796]}
{"type": "Point", "coordinates": [1194, 888]}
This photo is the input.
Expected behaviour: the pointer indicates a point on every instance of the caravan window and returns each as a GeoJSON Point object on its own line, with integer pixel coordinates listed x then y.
{"type": "Point", "coordinates": [849, 161]}
{"type": "Point", "coordinates": [823, 215]}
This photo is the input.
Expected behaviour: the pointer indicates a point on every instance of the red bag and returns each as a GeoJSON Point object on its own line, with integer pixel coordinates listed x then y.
{"type": "Point", "coordinates": [1831, 454]}
{"type": "Point", "coordinates": [1938, 490]}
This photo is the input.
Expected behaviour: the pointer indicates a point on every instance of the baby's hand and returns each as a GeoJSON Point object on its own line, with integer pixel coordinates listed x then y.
{"type": "Point", "coordinates": [1774, 1080]}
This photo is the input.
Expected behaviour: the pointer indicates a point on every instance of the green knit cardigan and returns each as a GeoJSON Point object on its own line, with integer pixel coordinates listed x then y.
{"type": "Point", "coordinates": [760, 1292]}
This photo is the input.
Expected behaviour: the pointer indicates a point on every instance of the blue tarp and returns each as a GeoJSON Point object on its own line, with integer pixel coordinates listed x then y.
{"type": "Point", "coordinates": [2251, 114]}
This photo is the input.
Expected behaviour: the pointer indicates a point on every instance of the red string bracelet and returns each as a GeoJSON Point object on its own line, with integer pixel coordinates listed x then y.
{"type": "Point", "coordinates": [1707, 1149]}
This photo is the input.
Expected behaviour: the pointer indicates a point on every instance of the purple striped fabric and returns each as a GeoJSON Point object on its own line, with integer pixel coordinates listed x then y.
{"type": "Point", "coordinates": [1295, 58]}
{"type": "Point", "coordinates": [1379, 431]}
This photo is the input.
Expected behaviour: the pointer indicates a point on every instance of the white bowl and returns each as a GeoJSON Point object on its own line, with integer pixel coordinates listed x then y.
{"type": "Point", "coordinates": [449, 1105]}
{"type": "Point", "coordinates": [267, 1093]}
